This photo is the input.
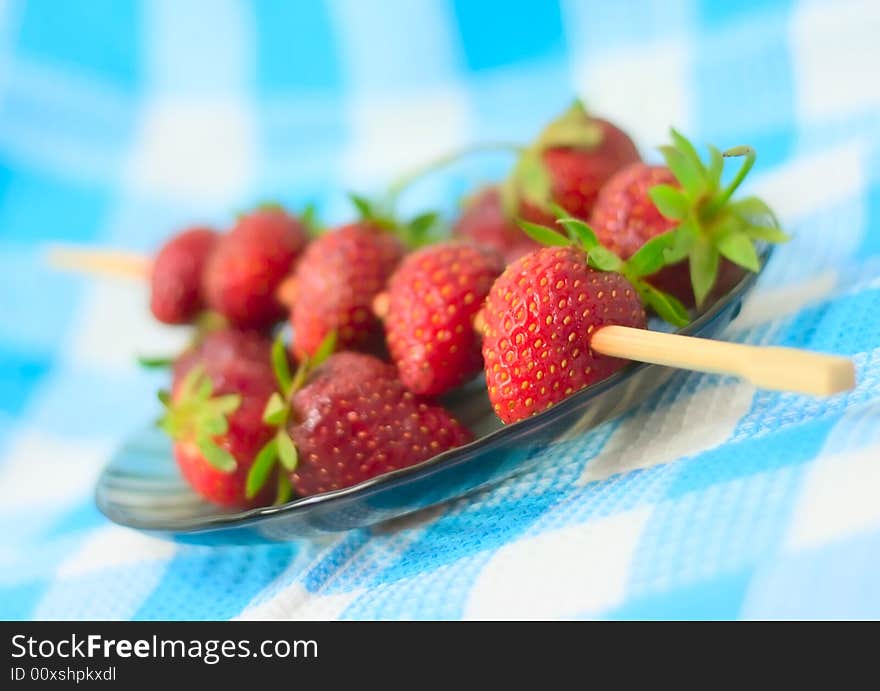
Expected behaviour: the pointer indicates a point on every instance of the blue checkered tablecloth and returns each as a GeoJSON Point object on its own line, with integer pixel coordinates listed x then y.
{"type": "Point", "coordinates": [121, 120]}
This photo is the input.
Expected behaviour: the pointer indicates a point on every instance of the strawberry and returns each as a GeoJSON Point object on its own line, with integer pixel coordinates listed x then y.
{"type": "Point", "coordinates": [176, 277]}
{"type": "Point", "coordinates": [221, 347]}
{"type": "Point", "coordinates": [624, 217]}
{"type": "Point", "coordinates": [484, 222]}
{"type": "Point", "coordinates": [351, 428]}
{"type": "Point", "coordinates": [250, 262]}
{"type": "Point", "coordinates": [345, 418]}
{"type": "Point", "coordinates": [432, 300]}
{"type": "Point", "coordinates": [214, 415]}
{"type": "Point", "coordinates": [712, 238]}
{"type": "Point", "coordinates": [538, 320]}
{"type": "Point", "coordinates": [334, 286]}
{"type": "Point", "coordinates": [541, 313]}
{"type": "Point", "coordinates": [567, 165]}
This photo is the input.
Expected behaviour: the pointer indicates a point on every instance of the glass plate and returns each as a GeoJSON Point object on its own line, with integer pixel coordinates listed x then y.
{"type": "Point", "coordinates": [141, 487]}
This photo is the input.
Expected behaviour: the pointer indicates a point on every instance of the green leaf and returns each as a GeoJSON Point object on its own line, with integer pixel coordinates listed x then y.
{"type": "Point", "coordinates": [223, 405]}
{"type": "Point", "coordinates": [685, 235]}
{"type": "Point", "coordinates": [543, 235]}
{"type": "Point", "coordinates": [574, 128]}
{"type": "Point", "coordinates": [213, 426]}
{"type": "Point", "coordinates": [284, 491]}
{"type": "Point", "coordinates": [280, 365]}
{"type": "Point", "coordinates": [275, 412]}
{"type": "Point", "coordinates": [190, 382]}
{"type": "Point", "coordinates": [219, 458]}
{"type": "Point", "coordinates": [716, 168]}
{"type": "Point", "coordinates": [603, 259]}
{"type": "Point", "coordinates": [754, 211]}
{"type": "Point", "coordinates": [703, 268]}
{"type": "Point", "coordinates": [299, 378]}
{"type": "Point", "coordinates": [579, 232]}
{"type": "Point", "coordinates": [738, 248]}
{"type": "Point", "coordinates": [558, 211]}
{"type": "Point", "coordinates": [418, 231]}
{"type": "Point", "coordinates": [685, 147]}
{"type": "Point", "coordinates": [766, 233]}
{"type": "Point", "coordinates": [324, 350]}
{"type": "Point", "coordinates": [533, 182]}
{"type": "Point", "coordinates": [690, 177]}
{"type": "Point", "coordinates": [651, 257]}
{"type": "Point", "coordinates": [270, 205]}
{"type": "Point", "coordinates": [423, 222]}
{"type": "Point", "coordinates": [286, 450]}
{"type": "Point", "coordinates": [164, 397]}
{"type": "Point", "coordinates": [310, 220]}
{"type": "Point", "coordinates": [667, 307]}
{"type": "Point", "coordinates": [208, 321]}
{"type": "Point", "coordinates": [204, 387]}
{"type": "Point", "coordinates": [670, 201]}
{"type": "Point", "coordinates": [155, 362]}
{"type": "Point", "coordinates": [509, 195]}
{"type": "Point", "coordinates": [363, 205]}
{"type": "Point", "coordinates": [259, 471]}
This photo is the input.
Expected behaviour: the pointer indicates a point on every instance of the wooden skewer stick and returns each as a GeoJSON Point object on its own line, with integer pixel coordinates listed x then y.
{"type": "Point", "coordinates": [99, 261]}
{"type": "Point", "coordinates": [767, 367]}
{"type": "Point", "coordinates": [119, 264]}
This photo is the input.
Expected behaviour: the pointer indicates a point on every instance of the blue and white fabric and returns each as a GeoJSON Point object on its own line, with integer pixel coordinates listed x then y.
{"type": "Point", "coordinates": [121, 120]}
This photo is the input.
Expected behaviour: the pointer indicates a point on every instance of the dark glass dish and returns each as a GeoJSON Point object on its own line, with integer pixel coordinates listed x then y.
{"type": "Point", "coordinates": [141, 487]}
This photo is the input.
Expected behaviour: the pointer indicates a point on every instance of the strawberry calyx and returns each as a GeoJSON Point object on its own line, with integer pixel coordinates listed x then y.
{"type": "Point", "coordinates": [196, 415]}
{"type": "Point", "coordinates": [529, 179]}
{"type": "Point", "coordinates": [649, 259]}
{"type": "Point", "coordinates": [422, 229]}
{"type": "Point", "coordinates": [308, 217]}
{"type": "Point", "coordinates": [710, 224]}
{"type": "Point", "coordinates": [280, 449]}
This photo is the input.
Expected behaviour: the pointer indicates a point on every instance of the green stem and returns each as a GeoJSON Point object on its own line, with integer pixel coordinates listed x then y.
{"type": "Point", "coordinates": [750, 156]}
{"type": "Point", "coordinates": [401, 183]}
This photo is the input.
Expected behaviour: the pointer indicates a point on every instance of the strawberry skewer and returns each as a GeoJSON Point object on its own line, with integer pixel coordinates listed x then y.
{"type": "Point", "coordinates": [571, 314]}
{"type": "Point", "coordinates": [235, 274]}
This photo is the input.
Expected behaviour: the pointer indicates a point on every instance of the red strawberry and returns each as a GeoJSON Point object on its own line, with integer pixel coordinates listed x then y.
{"type": "Point", "coordinates": [361, 424]}
{"type": "Point", "coordinates": [432, 300]}
{"type": "Point", "coordinates": [568, 164]}
{"type": "Point", "coordinates": [248, 265]}
{"type": "Point", "coordinates": [176, 280]}
{"type": "Point", "coordinates": [335, 283]}
{"type": "Point", "coordinates": [625, 218]}
{"type": "Point", "coordinates": [222, 348]}
{"type": "Point", "coordinates": [715, 236]}
{"type": "Point", "coordinates": [538, 320]}
{"type": "Point", "coordinates": [214, 414]}
{"type": "Point", "coordinates": [484, 222]}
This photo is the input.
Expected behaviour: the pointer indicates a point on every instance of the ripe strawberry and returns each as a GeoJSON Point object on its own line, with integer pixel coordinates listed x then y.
{"type": "Point", "coordinates": [567, 165]}
{"type": "Point", "coordinates": [539, 317]}
{"type": "Point", "coordinates": [432, 300]}
{"type": "Point", "coordinates": [248, 265]}
{"type": "Point", "coordinates": [361, 424]}
{"type": "Point", "coordinates": [222, 348]}
{"type": "Point", "coordinates": [214, 415]}
{"type": "Point", "coordinates": [484, 222]}
{"type": "Point", "coordinates": [176, 277]}
{"type": "Point", "coordinates": [714, 237]}
{"type": "Point", "coordinates": [624, 217]}
{"type": "Point", "coordinates": [335, 283]}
